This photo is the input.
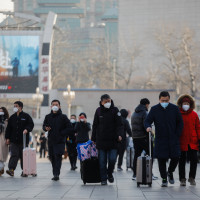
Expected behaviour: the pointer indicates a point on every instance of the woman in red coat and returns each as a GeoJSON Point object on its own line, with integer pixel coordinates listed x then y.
{"type": "Point", "coordinates": [189, 140]}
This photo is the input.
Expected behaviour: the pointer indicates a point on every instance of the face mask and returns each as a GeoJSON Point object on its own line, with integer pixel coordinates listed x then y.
{"type": "Point", "coordinates": [164, 105]}
{"type": "Point", "coordinates": [1, 113]}
{"type": "Point", "coordinates": [55, 108]}
{"type": "Point", "coordinates": [107, 105]}
{"type": "Point", "coordinates": [15, 109]}
{"type": "Point", "coordinates": [186, 107]}
{"type": "Point", "coordinates": [72, 120]}
{"type": "Point", "coordinates": [82, 120]}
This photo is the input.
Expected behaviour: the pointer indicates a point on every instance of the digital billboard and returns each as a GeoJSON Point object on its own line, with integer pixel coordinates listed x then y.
{"type": "Point", "coordinates": [19, 64]}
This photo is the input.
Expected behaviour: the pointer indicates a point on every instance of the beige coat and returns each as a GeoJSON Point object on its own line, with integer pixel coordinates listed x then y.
{"type": "Point", "coordinates": [3, 147]}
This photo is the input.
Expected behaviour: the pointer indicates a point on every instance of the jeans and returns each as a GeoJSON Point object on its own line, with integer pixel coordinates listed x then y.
{"type": "Point", "coordinates": [120, 151]}
{"type": "Point", "coordinates": [162, 166]}
{"type": "Point", "coordinates": [193, 163]}
{"type": "Point", "coordinates": [107, 156]}
{"type": "Point", "coordinates": [1, 165]}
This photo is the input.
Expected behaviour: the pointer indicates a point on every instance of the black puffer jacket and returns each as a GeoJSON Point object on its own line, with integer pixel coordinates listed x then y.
{"type": "Point", "coordinates": [82, 129]}
{"type": "Point", "coordinates": [60, 127]}
{"type": "Point", "coordinates": [107, 127]}
{"type": "Point", "coordinates": [16, 126]}
{"type": "Point", "coordinates": [137, 122]}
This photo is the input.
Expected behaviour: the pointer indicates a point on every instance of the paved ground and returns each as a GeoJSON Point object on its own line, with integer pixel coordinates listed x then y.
{"type": "Point", "coordinates": [70, 186]}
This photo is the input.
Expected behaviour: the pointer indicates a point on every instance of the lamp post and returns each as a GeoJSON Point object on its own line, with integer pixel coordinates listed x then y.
{"type": "Point", "coordinates": [70, 96]}
{"type": "Point", "coordinates": [38, 98]}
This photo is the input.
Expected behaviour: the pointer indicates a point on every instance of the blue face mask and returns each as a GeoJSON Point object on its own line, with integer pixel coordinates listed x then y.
{"type": "Point", "coordinates": [164, 105]}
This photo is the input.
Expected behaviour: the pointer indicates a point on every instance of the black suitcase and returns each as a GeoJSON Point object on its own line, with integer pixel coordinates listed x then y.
{"type": "Point", "coordinates": [90, 172]}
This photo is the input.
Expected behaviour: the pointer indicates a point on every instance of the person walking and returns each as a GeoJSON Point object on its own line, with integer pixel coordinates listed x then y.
{"type": "Point", "coordinates": [122, 145]}
{"type": "Point", "coordinates": [4, 116]}
{"type": "Point", "coordinates": [82, 129]}
{"type": "Point", "coordinates": [107, 131]}
{"type": "Point", "coordinates": [168, 127]}
{"type": "Point", "coordinates": [18, 124]}
{"type": "Point", "coordinates": [71, 144]}
{"type": "Point", "coordinates": [189, 139]}
{"type": "Point", "coordinates": [140, 136]}
{"type": "Point", "coordinates": [58, 127]}
{"type": "Point", "coordinates": [43, 142]}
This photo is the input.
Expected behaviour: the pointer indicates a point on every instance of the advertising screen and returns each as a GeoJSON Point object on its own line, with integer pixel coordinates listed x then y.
{"type": "Point", "coordinates": [19, 64]}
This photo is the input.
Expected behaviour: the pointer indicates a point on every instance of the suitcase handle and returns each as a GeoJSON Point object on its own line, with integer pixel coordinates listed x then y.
{"type": "Point", "coordinates": [150, 144]}
{"type": "Point", "coordinates": [24, 140]}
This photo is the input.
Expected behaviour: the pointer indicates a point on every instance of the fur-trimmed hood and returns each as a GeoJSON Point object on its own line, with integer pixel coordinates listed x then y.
{"type": "Point", "coordinates": [192, 101]}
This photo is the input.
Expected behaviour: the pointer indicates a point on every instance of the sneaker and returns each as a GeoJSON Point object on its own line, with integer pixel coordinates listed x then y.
{"type": "Point", "coordinates": [23, 175]}
{"type": "Point", "coordinates": [110, 178]}
{"type": "Point", "coordinates": [10, 172]}
{"type": "Point", "coordinates": [154, 177]}
{"type": "Point", "coordinates": [192, 181]}
{"type": "Point", "coordinates": [182, 182]}
{"type": "Point", "coordinates": [119, 169]}
{"type": "Point", "coordinates": [164, 183]}
{"type": "Point", "coordinates": [103, 182]}
{"type": "Point", "coordinates": [170, 177]}
{"type": "Point", "coordinates": [134, 178]}
{"type": "Point", "coordinates": [55, 178]}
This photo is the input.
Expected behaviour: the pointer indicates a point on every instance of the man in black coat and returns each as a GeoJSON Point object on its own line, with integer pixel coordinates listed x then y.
{"type": "Point", "coordinates": [107, 132]}
{"type": "Point", "coordinates": [58, 127]}
{"type": "Point", "coordinates": [18, 124]}
{"type": "Point", "coordinates": [168, 127]}
{"type": "Point", "coordinates": [122, 145]}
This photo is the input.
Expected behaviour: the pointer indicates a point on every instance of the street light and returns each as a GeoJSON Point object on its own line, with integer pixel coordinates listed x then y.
{"type": "Point", "coordinates": [38, 98]}
{"type": "Point", "coordinates": [70, 96]}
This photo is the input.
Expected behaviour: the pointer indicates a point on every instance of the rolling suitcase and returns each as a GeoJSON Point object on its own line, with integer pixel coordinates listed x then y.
{"type": "Point", "coordinates": [130, 152]}
{"type": "Point", "coordinates": [90, 172]}
{"type": "Point", "coordinates": [29, 159]}
{"type": "Point", "coordinates": [144, 168]}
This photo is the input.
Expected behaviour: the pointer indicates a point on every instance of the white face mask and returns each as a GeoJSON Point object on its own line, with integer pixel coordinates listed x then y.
{"type": "Point", "coordinates": [15, 109]}
{"type": "Point", "coordinates": [72, 120]}
{"type": "Point", "coordinates": [186, 107]}
{"type": "Point", "coordinates": [107, 105]}
{"type": "Point", "coordinates": [1, 113]}
{"type": "Point", "coordinates": [55, 108]}
{"type": "Point", "coordinates": [82, 120]}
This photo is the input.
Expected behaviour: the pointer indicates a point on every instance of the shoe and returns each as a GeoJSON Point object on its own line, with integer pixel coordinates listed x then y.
{"type": "Point", "coordinates": [10, 172]}
{"type": "Point", "coordinates": [182, 182]}
{"type": "Point", "coordinates": [134, 178]}
{"type": "Point", "coordinates": [2, 172]}
{"type": "Point", "coordinates": [110, 178]}
{"type": "Point", "coordinates": [154, 177]}
{"type": "Point", "coordinates": [164, 183]}
{"type": "Point", "coordinates": [55, 178]}
{"type": "Point", "coordinates": [23, 175]}
{"type": "Point", "coordinates": [192, 181]}
{"type": "Point", "coordinates": [103, 182]}
{"type": "Point", "coordinates": [119, 169]}
{"type": "Point", "coordinates": [170, 177]}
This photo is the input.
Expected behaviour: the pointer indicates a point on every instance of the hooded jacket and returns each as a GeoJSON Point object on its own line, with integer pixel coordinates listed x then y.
{"type": "Point", "coordinates": [60, 127]}
{"type": "Point", "coordinates": [137, 122]}
{"type": "Point", "coordinates": [107, 127]}
{"type": "Point", "coordinates": [191, 125]}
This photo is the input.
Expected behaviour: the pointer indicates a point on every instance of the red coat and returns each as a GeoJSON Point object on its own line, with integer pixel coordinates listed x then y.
{"type": "Point", "coordinates": [191, 130]}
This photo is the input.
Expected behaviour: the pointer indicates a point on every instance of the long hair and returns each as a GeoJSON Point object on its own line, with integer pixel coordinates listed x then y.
{"type": "Point", "coordinates": [6, 114]}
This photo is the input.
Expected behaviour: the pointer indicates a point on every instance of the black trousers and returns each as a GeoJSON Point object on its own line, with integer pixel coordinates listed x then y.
{"type": "Point", "coordinates": [56, 160]}
{"type": "Point", "coordinates": [120, 152]}
{"type": "Point", "coordinates": [16, 151]}
{"type": "Point", "coordinates": [141, 144]}
{"type": "Point", "coordinates": [193, 163]}
{"type": "Point", "coordinates": [72, 153]}
{"type": "Point", "coordinates": [162, 166]}
{"type": "Point", "coordinates": [42, 149]}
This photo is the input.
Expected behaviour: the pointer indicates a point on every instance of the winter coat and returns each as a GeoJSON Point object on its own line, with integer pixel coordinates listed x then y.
{"type": "Point", "coordinates": [107, 127]}
{"type": "Point", "coordinates": [168, 127]}
{"type": "Point", "coordinates": [137, 122]}
{"type": "Point", "coordinates": [3, 145]}
{"type": "Point", "coordinates": [60, 128]}
{"type": "Point", "coordinates": [16, 126]}
{"type": "Point", "coordinates": [126, 125]}
{"type": "Point", "coordinates": [82, 129]}
{"type": "Point", "coordinates": [191, 129]}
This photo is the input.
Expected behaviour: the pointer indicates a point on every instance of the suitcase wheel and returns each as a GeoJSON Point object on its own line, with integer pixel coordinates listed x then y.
{"type": "Point", "coordinates": [34, 175]}
{"type": "Point", "coordinates": [127, 169]}
{"type": "Point", "coordinates": [84, 182]}
{"type": "Point", "coordinates": [138, 185]}
{"type": "Point", "coordinates": [149, 184]}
